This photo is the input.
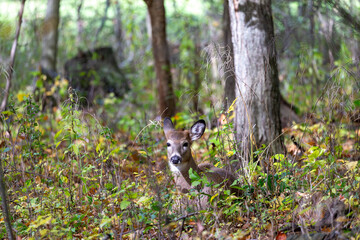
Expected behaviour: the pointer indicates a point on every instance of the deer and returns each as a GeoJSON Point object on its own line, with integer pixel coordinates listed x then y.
{"type": "Point", "coordinates": [181, 160]}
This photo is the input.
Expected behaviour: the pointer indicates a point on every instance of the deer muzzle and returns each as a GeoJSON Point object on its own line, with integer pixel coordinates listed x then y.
{"type": "Point", "coordinates": [175, 159]}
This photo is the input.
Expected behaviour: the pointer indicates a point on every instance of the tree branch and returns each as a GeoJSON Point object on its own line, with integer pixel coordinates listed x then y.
{"type": "Point", "coordinates": [12, 59]}
{"type": "Point", "coordinates": [346, 16]}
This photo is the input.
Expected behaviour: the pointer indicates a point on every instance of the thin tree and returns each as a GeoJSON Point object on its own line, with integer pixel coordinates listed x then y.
{"type": "Point", "coordinates": [160, 50]}
{"type": "Point", "coordinates": [50, 38]}
{"type": "Point", "coordinates": [10, 70]}
{"type": "Point", "coordinates": [102, 24]}
{"type": "Point", "coordinates": [4, 204]}
{"type": "Point", "coordinates": [257, 114]}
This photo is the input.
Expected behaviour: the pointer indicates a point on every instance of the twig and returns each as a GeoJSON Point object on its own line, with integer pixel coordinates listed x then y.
{"type": "Point", "coordinates": [183, 218]}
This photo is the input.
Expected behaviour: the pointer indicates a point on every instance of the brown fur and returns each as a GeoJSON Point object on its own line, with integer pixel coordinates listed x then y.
{"type": "Point", "coordinates": [176, 140]}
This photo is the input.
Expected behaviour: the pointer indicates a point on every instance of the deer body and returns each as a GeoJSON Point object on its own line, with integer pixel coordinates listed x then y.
{"type": "Point", "coordinates": [181, 159]}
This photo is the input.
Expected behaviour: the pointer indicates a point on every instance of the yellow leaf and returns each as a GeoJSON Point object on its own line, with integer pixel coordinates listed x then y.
{"type": "Point", "coordinates": [143, 153]}
{"type": "Point", "coordinates": [44, 221]}
{"type": "Point", "coordinates": [98, 147]}
{"type": "Point", "coordinates": [231, 108]}
{"type": "Point", "coordinates": [20, 96]}
{"type": "Point", "coordinates": [351, 165]}
{"type": "Point", "coordinates": [43, 232]}
{"type": "Point", "coordinates": [230, 153]}
{"type": "Point", "coordinates": [214, 196]}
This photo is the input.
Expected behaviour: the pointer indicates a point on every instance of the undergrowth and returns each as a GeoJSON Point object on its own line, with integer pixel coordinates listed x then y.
{"type": "Point", "coordinates": [69, 176]}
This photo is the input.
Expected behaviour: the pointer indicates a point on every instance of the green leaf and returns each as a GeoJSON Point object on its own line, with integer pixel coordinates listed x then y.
{"type": "Point", "coordinates": [57, 144]}
{"type": "Point", "coordinates": [193, 175]}
{"type": "Point", "coordinates": [124, 204]}
{"type": "Point", "coordinates": [105, 221]}
{"type": "Point", "coordinates": [75, 148]}
{"type": "Point", "coordinates": [279, 157]}
{"type": "Point", "coordinates": [6, 149]}
{"type": "Point", "coordinates": [357, 103]}
{"type": "Point", "coordinates": [7, 113]}
{"type": "Point", "coordinates": [67, 193]}
{"type": "Point", "coordinates": [58, 133]}
{"type": "Point", "coordinates": [195, 183]}
{"type": "Point", "coordinates": [305, 210]}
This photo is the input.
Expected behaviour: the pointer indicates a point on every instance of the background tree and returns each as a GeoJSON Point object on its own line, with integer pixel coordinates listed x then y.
{"type": "Point", "coordinates": [10, 70]}
{"type": "Point", "coordinates": [165, 94]}
{"type": "Point", "coordinates": [257, 115]}
{"type": "Point", "coordinates": [228, 59]}
{"type": "Point", "coordinates": [50, 38]}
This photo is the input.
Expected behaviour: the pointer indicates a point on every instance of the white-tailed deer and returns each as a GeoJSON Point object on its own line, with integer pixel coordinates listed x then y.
{"type": "Point", "coordinates": [181, 159]}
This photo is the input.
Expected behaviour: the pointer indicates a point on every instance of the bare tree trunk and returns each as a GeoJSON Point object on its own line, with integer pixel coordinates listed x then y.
{"type": "Point", "coordinates": [310, 15]}
{"type": "Point", "coordinates": [257, 115]}
{"type": "Point", "coordinates": [228, 60]}
{"type": "Point", "coordinates": [50, 38]}
{"type": "Point", "coordinates": [197, 77]}
{"type": "Point", "coordinates": [10, 70]}
{"type": "Point", "coordinates": [165, 92]}
{"type": "Point", "coordinates": [5, 207]}
{"type": "Point", "coordinates": [80, 26]}
{"type": "Point", "coordinates": [118, 30]}
{"type": "Point", "coordinates": [103, 20]}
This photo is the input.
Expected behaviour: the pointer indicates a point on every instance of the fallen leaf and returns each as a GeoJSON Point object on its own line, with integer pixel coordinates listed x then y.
{"type": "Point", "coordinates": [351, 165]}
{"type": "Point", "coordinates": [326, 229]}
{"type": "Point", "coordinates": [281, 236]}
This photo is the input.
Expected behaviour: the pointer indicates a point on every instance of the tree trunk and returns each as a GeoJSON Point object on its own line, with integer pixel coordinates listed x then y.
{"type": "Point", "coordinates": [80, 25]}
{"type": "Point", "coordinates": [165, 93]}
{"type": "Point", "coordinates": [228, 59]}
{"type": "Point", "coordinates": [118, 32]}
{"type": "Point", "coordinates": [102, 24]}
{"type": "Point", "coordinates": [257, 114]}
{"type": "Point", "coordinates": [50, 38]}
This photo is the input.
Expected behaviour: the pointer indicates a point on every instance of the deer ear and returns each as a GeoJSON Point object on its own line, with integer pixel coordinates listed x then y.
{"type": "Point", "coordinates": [168, 125]}
{"type": "Point", "coordinates": [197, 130]}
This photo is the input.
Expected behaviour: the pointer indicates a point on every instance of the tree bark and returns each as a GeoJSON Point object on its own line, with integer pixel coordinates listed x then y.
{"type": "Point", "coordinates": [160, 50]}
{"type": "Point", "coordinates": [228, 60]}
{"type": "Point", "coordinates": [50, 38]}
{"type": "Point", "coordinates": [257, 114]}
{"type": "Point", "coordinates": [10, 70]}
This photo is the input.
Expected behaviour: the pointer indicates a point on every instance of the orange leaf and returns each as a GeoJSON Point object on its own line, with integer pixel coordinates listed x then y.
{"type": "Point", "coordinates": [281, 236]}
{"type": "Point", "coordinates": [222, 120]}
{"type": "Point", "coordinates": [311, 143]}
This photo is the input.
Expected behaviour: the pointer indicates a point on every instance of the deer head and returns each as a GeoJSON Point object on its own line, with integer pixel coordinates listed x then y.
{"type": "Point", "coordinates": [179, 144]}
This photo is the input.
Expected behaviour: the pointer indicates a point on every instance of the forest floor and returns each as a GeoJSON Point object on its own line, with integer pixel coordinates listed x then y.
{"type": "Point", "coordinates": [69, 176]}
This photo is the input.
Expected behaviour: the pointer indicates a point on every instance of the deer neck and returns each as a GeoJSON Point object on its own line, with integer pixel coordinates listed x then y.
{"type": "Point", "coordinates": [184, 169]}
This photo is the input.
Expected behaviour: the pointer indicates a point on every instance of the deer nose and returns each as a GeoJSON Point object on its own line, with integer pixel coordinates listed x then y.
{"type": "Point", "coordinates": [175, 159]}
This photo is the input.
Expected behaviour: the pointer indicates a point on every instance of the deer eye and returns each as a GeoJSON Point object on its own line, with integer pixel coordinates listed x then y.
{"type": "Point", "coordinates": [185, 144]}
{"type": "Point", "coordinates": [168, 144]}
